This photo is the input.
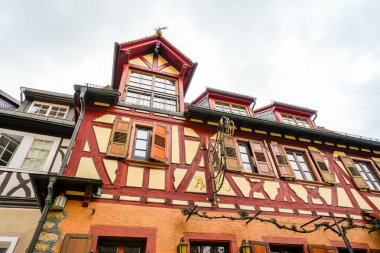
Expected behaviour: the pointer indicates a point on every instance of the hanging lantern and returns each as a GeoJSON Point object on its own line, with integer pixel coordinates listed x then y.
{"type": "Point", "coordinates": [245, 247]}
{"type": "Point", "coordinates": [59, 203]}
{"type": "Point", "coordinates": [182, 246]}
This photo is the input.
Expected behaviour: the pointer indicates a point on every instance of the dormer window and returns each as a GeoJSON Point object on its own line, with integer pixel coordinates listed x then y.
{"type": "Point", "coordinates": [295, 120]}
{"type": "Point", "coordinates": [230, 108]}
{"type": "Point", "coordinates": [49, 110]}
{"type": "Point", "coordinates": [152, 91]}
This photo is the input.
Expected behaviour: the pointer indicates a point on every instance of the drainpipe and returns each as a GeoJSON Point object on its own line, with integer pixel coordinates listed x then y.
{"type": "Point", "coordinates": [253, 106]}
{"type": "Point", "coordinates": [76, 130]}
{"type": "Point", "coordinates": [44, 214]}
{"type": "Point", "coordinates": [315, 116]}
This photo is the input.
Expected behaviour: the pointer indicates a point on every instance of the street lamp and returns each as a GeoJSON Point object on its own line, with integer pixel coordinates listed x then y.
{"type": "Point", "coordinates": [245, 247]}
{"type": "Point", "coordinates": [182, 246]}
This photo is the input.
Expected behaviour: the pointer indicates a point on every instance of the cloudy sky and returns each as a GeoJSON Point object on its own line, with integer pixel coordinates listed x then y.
{"type": "Point", "coordinates": [324, 55]}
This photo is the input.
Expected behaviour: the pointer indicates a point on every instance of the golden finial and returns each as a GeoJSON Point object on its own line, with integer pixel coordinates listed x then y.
{"type": "Point", "coordinates": [159, 30]}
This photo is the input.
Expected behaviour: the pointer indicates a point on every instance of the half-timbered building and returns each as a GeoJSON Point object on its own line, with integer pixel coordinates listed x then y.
{"type": "Point", "coordinates": [34, 135]}
{"type": "Point", "coordinates": [283, 184]}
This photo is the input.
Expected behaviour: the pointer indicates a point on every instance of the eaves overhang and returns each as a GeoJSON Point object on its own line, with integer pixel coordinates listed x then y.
{"type": "Point", "coordinates": [98, 93]}
{"type": "Point", "coordinates": [28, 122]}
{"type": "Point", "coordinates": [63, 183]}
{"type": "Point", "coordinates": [272, 126]}
{"type": "Point", "coordinates": [47, 96]}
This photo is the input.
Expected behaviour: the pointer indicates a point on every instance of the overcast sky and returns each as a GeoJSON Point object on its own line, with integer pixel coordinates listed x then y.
{"type": "Point", "coordinates": [324, 55]}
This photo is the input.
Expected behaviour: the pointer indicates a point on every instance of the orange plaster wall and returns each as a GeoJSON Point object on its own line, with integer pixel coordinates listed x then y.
{"type": "Point", "coordinates": [171, 225]}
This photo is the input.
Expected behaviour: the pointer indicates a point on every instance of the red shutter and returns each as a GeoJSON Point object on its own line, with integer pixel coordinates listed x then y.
{"type": "Point", "coordinates": [118, 144]}
{"type": "Point", "coordinates": [261, 157]}
{"type": "Point", "coordinates": [231, 155]}
{"type": "Point", "coordinates": [282, 161]}
{"type": "Point", "coordinates": [76, 243]}
{"type": "Point", "coordinates": [354, 173]}
{"type": "Point", "coordinates": [260, 247]}
{"type": "Point", "coordinates": [322, 166]}
{"type": "Point", "coordinates": [159, 143]}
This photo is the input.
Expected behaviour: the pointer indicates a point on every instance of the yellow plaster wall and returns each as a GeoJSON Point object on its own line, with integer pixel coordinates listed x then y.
{"type": "Point", "coordinates": [343, 199]}
{"type": "Point", "coordinates": [190, 132]}
{"type": "Point", "coordinates": [135, 176]}
{"type": "Point", "coordinates": [198, 183]}
{"type": "Point", "coordinates": [172, 225]}
{"type": "Point", "coordinates": [375, 201]}
{"type": "Point", "coordinates": [179, 175]}
{"type": "Point", "coordinates": [202, 162]}
{"type": "Point", "coordinates": [243, 185]}
{"type": "Point", "coordinates": [161, 60]}
{"type": "Point", "coordinates": [19, 222]}
{"type": "Point", "coordinates": [156, 179]}
{"type": "Point", "coordinates": [191, 149]}
{"type": "Point", "coordinates": [111, 168]}
{"type": "Point", "coordinates": [325, 193]}
{"type": "Point", "coordinates": [300, 191]}
{"type": "Point", "coordinates": [137, 61]}
{"type": "Point", "coordinates": [102, 136]}
{"type": "Point", "coordinates": [271, 188]}
{"type": "Point", "coordinates": [175, 145]}
{"type": "Point", "coordinates": [226, 189]}
{"type": "Point", "coordinates": [149, 58]}
{"type": "Point", "coordinates": [87, 169]}
{"type": "Point", "coordinates": [86, 147]}
{"type": "Point", "coordinates": [171, 69]}
{"type": "Point", "coordinates": [361, 202]}
{"type": "Point", "coordinates": [106, 118]}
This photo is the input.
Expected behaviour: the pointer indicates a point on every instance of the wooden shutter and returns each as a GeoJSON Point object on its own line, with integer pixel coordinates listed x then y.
{"type": "Point", "coordinates": [260, 247]}
{"type": "Point", "coordinates": [261, 157]}
{"type": "Point", "coordinates": [231, 155]}
{"type": "Point", "coordinates": [354, 173]}
{"type": "Point", "coordinates": [317, 249]}
{"type": "Point", "coordinates": [118, 144]}
{"type": "Point", "coordinates": [282, 161]}
{"type": "Point", "coordinates": [76, 243]}
{"type": "Point", "coordinates": [159, 143]}
{"type": "Point", "coordinates": [322, 166]}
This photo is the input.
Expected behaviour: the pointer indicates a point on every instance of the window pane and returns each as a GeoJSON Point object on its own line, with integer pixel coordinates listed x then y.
{"type": "Point", "coordinates": [294, 165]}
{"type": "Point", "coordinates": [244, 158]}
{"type": "Point", "coordinates": [309, 176]}
{"type": "Point", "coordinates": [304, 167]}
{"type": "Point", "coordinates": [108, 249]}
{"type": "Point", "coordinates": [300, 157]}
{"type": "Point", "coordinates": [139, 155]}
{"type": "Point", "coordinates": [141, 144]}
{"type": "Point", "coordinates": [247, 167]}
{"type": "Point", "coordinates": [298, 174]}
{"type": "Point", "coordinates": [142, 134]}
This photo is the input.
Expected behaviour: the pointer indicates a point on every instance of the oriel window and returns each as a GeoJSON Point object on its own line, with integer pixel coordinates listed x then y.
{"type": "Point", "coordinates": [152, 91]}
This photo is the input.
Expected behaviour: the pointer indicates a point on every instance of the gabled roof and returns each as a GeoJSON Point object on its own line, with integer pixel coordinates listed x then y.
{"type": "Point", "coordinates": [276, 105]}
{"type": "Point", "coordinates": [229, 96]}
{"type": "Point", "coordinates": [151, 44]}
{"type": "Point", "coordinates": [9, 98]}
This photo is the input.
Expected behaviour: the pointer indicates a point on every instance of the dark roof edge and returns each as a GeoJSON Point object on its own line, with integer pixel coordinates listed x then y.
{"type": "Point", "coordinates": [10, 98]}
{"type": "Point", "coordinates": [97, 90]}
{"type": "Point", "coordinates": [232, 94]}
{"type": "Point", "coordinates": [305, 131]}
{"type": "Point", "coordinates": [282, 104]}
{"type": "Point", "coordinates": [37, 92]}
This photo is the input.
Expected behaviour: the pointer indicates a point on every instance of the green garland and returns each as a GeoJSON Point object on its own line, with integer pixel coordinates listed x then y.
{"type": "Point", "coordinates": [244, 216]}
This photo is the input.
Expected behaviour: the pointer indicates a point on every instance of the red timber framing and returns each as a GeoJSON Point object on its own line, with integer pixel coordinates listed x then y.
{"type": "Point", "coordinates": [285, 198]}
{"type": "Point", "coordinates": [149, 234]}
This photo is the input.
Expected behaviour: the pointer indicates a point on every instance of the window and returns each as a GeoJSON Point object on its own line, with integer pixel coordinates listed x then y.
{"type": "Point", "coordinates": [37, 155]}
{"type": "Point", "coordinates": [246, 157]}
{"type": "Point", "coordinates": [230, 108]}
{"type": "Point", "coordinates": [285, 249]}
{"type": "Point", "coordinates": [208, 248]}
{"type": "Point", "coordinates": [142, 144]}
{"type": "Point", "coordinates": [152, 91]}
{"type": "Point", "coordinates": [7, 244]}
{"type": "Point", "coordinates": [368, 175]}
{"type": "Point", "coordinates": [117, 246]}
{"type": "Point", "coordinates": [299, 165]}
{"type": "Point", "coordinates": [8, 146]}
{"type": "Point", "coordinates": [295, 121]}
{"type": "Point", "coordinates": [49, 110]}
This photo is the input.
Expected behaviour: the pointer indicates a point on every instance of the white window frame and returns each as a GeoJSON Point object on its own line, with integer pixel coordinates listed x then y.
{"type": "Point", "coordinates": [12, 242]}
{"type": "Point", "coordinates": [23, 149]}
{"type": "Point", "coordinates": [50, 107]}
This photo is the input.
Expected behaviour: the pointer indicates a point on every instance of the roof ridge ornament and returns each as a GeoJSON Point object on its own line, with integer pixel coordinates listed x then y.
{"type": "Point", "coordinates": [159, 30]}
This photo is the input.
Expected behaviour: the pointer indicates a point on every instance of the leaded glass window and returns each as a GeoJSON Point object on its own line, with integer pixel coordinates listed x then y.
{"type": "Point", "coordinates": [37, 155]}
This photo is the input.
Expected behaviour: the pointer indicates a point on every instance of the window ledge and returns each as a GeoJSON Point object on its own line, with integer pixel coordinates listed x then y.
{"type": "Point", "coordinates": [257, 175]}
{"type": "Point", "coordinates": [308, 182]}
{"type": "Point", "coordinates": [157, 165]}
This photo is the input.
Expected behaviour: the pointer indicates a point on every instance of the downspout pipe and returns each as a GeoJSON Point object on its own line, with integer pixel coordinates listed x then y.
{"type": "Point", "coordinates": [44, 214]}
{"type": "Point", "coordinates": [83, 91]}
